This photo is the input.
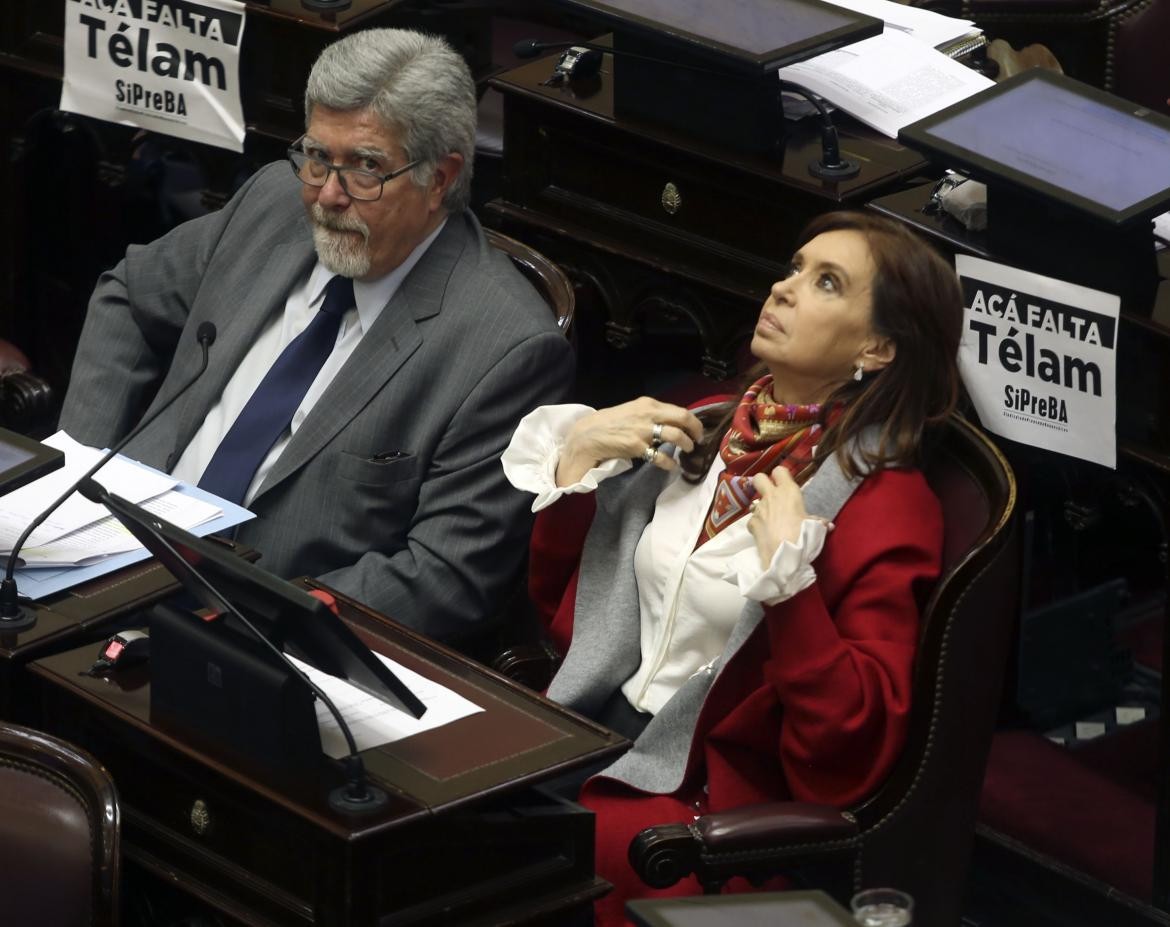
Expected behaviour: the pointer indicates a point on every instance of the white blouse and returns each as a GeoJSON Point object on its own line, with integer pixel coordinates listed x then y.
{"type": "Point", "coordinates": [689, 600]}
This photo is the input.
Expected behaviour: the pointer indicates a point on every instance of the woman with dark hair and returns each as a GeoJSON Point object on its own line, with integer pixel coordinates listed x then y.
{"type": "Point", "coordinates": [751, 621]}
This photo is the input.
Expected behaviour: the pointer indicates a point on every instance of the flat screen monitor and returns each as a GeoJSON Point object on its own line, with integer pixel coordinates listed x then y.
{"type": "Point", "coordinates": [23, 460]}
{"type": "Point", "coordinates": [753, 36]}
{"type": "Point", "coordinates": [288, 616]}
{"type": "Point", "coordinates": [1053, 137]}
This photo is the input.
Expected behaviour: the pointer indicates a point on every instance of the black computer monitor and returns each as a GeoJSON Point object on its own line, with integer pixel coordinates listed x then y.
{"type": "Point", "coordinates": [1074, 176]}
{"type": "Point", "coordinates": [746, 35]}
{"type": "Point", "coordinates": [23, 460]}
{"type": "Point", "coordinates": [708, 71]}
{"type": "Point", "coordinates": [1047, 135]}
{"type": "Point", "coordinates": [288, 616]}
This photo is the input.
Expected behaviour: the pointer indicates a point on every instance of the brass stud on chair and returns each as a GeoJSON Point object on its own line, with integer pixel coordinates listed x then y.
{"type": "Point", "coordinates": [200, 817]}
{"type": "Point", "coordinates": [671, 199]}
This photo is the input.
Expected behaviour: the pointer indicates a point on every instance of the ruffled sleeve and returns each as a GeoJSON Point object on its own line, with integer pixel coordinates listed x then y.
{"type": "Point", "coordinates": [530, 460]}
{"type": "Point", "coordinates": [789, 572]}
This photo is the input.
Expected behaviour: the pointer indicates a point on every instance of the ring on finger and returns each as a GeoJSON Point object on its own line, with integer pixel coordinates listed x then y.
{"type": "Point", "coordinates": [656, 434]}
{"type": "Point", "coordinates": [650, 454]}
{"type": "Point", "coordinates": [754, 506]}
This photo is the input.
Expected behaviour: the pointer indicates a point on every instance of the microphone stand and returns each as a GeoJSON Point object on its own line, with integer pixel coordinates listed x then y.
{"type": "Point", "coordinates": [17, 617]}
{"type": "Point", "coordinates": [831, 165]}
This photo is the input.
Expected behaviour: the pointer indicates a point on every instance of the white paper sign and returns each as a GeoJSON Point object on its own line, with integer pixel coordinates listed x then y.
{"type": "Point", "coordinates": [170, 66]}
{"type": "Point", "coordinates": [1038, 356]}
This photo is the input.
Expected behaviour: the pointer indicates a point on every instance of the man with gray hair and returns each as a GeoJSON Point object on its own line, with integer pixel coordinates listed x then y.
{"type": "Point", "coordinates": [369, 364]}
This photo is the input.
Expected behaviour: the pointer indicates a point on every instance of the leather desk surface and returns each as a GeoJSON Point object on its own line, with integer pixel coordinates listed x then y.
{"type": "Point", "coordinates": [275, 853]}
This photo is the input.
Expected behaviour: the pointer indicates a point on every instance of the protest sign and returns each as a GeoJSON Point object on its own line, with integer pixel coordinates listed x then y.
{"type": "Point", "coordinates": [1038, 357]}
{"type": "Point", "coordinates": [171, 66]}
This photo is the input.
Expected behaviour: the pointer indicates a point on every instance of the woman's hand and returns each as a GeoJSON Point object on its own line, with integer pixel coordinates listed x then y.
{"type": "Point", "coordinates": [777, 512]}
{"type": "Point", "coordinates": [626, 431]}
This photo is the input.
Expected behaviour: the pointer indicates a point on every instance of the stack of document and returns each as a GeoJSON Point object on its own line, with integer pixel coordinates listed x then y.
{"type": "Point", "coordinates": [896, 78]}
{"type": "Point", "coordinates": [83, 532]}
{"type": "Point", "coordinates": [81, 540]}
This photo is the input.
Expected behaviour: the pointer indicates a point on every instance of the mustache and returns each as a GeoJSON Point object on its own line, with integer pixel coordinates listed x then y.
{"type": "Point", "coordinates": [339, 222]}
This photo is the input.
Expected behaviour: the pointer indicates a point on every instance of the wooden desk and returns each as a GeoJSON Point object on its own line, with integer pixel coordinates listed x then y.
{"type": "Point", "coordinates": [85, 614]}
{"type": "Point", "coordinates": [649, 220]}
{"type": "Point", "coordinates": [462, 838]}
{"type": "Point", "coordinates": [76, 615]}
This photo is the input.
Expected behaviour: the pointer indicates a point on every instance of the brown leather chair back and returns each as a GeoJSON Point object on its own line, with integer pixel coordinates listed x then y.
{"type": "Point", "coordinates": [1139, 68]}
{"type": "Point", "coordinates": [917, 829]}
{"type": "Point", "coordinates": [550, 281]}
{"type": "Point", "coordinates": [59, 833]}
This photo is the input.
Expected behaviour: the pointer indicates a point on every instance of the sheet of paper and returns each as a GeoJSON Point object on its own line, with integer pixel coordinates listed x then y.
{"type": "Point", "coordinates": [40, 582]}
{"type": "Point", "coordinates": [120, 476]}
{"type": "Point", "coordinates": [371, 721]}
{"type": "Point", "coordinates": [926, 26]}
{"type": "Point", "coordinates": [108, 536]}
{"type": "Point", "coordinates": [887, 81]}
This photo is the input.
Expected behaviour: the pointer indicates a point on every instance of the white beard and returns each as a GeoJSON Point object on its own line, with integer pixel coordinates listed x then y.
{"type": "Point", "coordinates": [338, 248]}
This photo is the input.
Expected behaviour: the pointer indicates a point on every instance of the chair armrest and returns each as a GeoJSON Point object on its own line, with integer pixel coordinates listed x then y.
{"type": "Point", "coordinates": [754, 841]}
{"type": "Point", "coordinates": [26, 400]}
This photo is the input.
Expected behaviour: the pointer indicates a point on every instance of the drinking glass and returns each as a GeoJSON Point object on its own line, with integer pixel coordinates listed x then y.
{"type": "Point", "coordinates": [882, 907]}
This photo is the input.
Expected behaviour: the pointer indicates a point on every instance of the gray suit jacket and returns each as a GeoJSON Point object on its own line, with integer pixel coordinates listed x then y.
{"type": "Point", "coordinates": [464, 349]}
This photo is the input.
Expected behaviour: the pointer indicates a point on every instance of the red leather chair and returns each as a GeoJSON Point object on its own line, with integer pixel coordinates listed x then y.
{"type": "Point", "coordinates": [914, 833]}
{"type": "Point", "coordinates": [59, 833]}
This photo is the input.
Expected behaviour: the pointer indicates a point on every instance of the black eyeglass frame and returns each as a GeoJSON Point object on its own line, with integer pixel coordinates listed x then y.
{"type": "Point", "coordinates": [342, 171]}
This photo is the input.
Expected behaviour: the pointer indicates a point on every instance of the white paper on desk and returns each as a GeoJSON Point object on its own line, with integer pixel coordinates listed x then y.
{"type": "Point", "coordinates": [888, 81]}
{"type": "Point", "coordinates": [120, 476]}
{"type": "Point", "coordinates": [371, 721]}
{"type": "Point", "coordinates": [109, 536]}
{"type": "Point", "coordinates": [43, 582]}
{"type": "Point", "coordinates": [926, 26]}
{"type": "Point", "coordinates": [1162, 230]}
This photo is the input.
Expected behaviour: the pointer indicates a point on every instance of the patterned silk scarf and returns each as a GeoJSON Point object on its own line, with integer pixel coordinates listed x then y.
{"type": "Point", "coordinates": [763, 435]}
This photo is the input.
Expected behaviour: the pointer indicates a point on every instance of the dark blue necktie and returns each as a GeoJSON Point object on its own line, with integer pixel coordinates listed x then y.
{"type": "Point", "coordinates": [269, 411]}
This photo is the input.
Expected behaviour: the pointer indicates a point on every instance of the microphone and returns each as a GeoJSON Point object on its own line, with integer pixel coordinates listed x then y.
{"type": "Point", "coordinates": [830, 166]}
{"type": "Point", "coordinates": [357, 795]}
{"type": "Point", "coordinates": [17, 617]}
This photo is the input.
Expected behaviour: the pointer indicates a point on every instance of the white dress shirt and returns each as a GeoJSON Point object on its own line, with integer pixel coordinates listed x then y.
{"type": "Point", "coordinates": [689, 600]}
{"type": "Point", "coordinates": [300, 308]}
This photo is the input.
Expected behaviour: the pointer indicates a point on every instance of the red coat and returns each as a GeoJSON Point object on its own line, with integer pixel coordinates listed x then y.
{"type": "Point", "coordinates": [813, 707]}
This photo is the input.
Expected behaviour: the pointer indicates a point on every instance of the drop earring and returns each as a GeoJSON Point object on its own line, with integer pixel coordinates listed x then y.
{"type": "Point", "coordinates": [859, 372]}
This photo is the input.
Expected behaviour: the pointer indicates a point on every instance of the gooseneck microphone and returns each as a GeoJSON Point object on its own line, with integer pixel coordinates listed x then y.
{"type": "Point", "coordinates": [830, 166]}
{"type": "Point", "coordinates": [357, 795]}
{"type": "Point", "coordinates": [17, 617]}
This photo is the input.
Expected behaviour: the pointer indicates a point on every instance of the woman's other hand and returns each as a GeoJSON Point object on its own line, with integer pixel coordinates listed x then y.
{"type": "Point", "coordinates": [626, 431]}
{"type": "Point", "coordinates": [777, 512]}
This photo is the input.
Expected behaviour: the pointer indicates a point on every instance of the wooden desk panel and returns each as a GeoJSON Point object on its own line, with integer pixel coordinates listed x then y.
{"type": "Point", "coordinates": [461, 837]}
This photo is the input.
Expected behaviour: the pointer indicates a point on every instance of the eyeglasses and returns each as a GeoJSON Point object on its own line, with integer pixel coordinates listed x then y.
{"type": "Point", "coordinates": [355, 181]}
